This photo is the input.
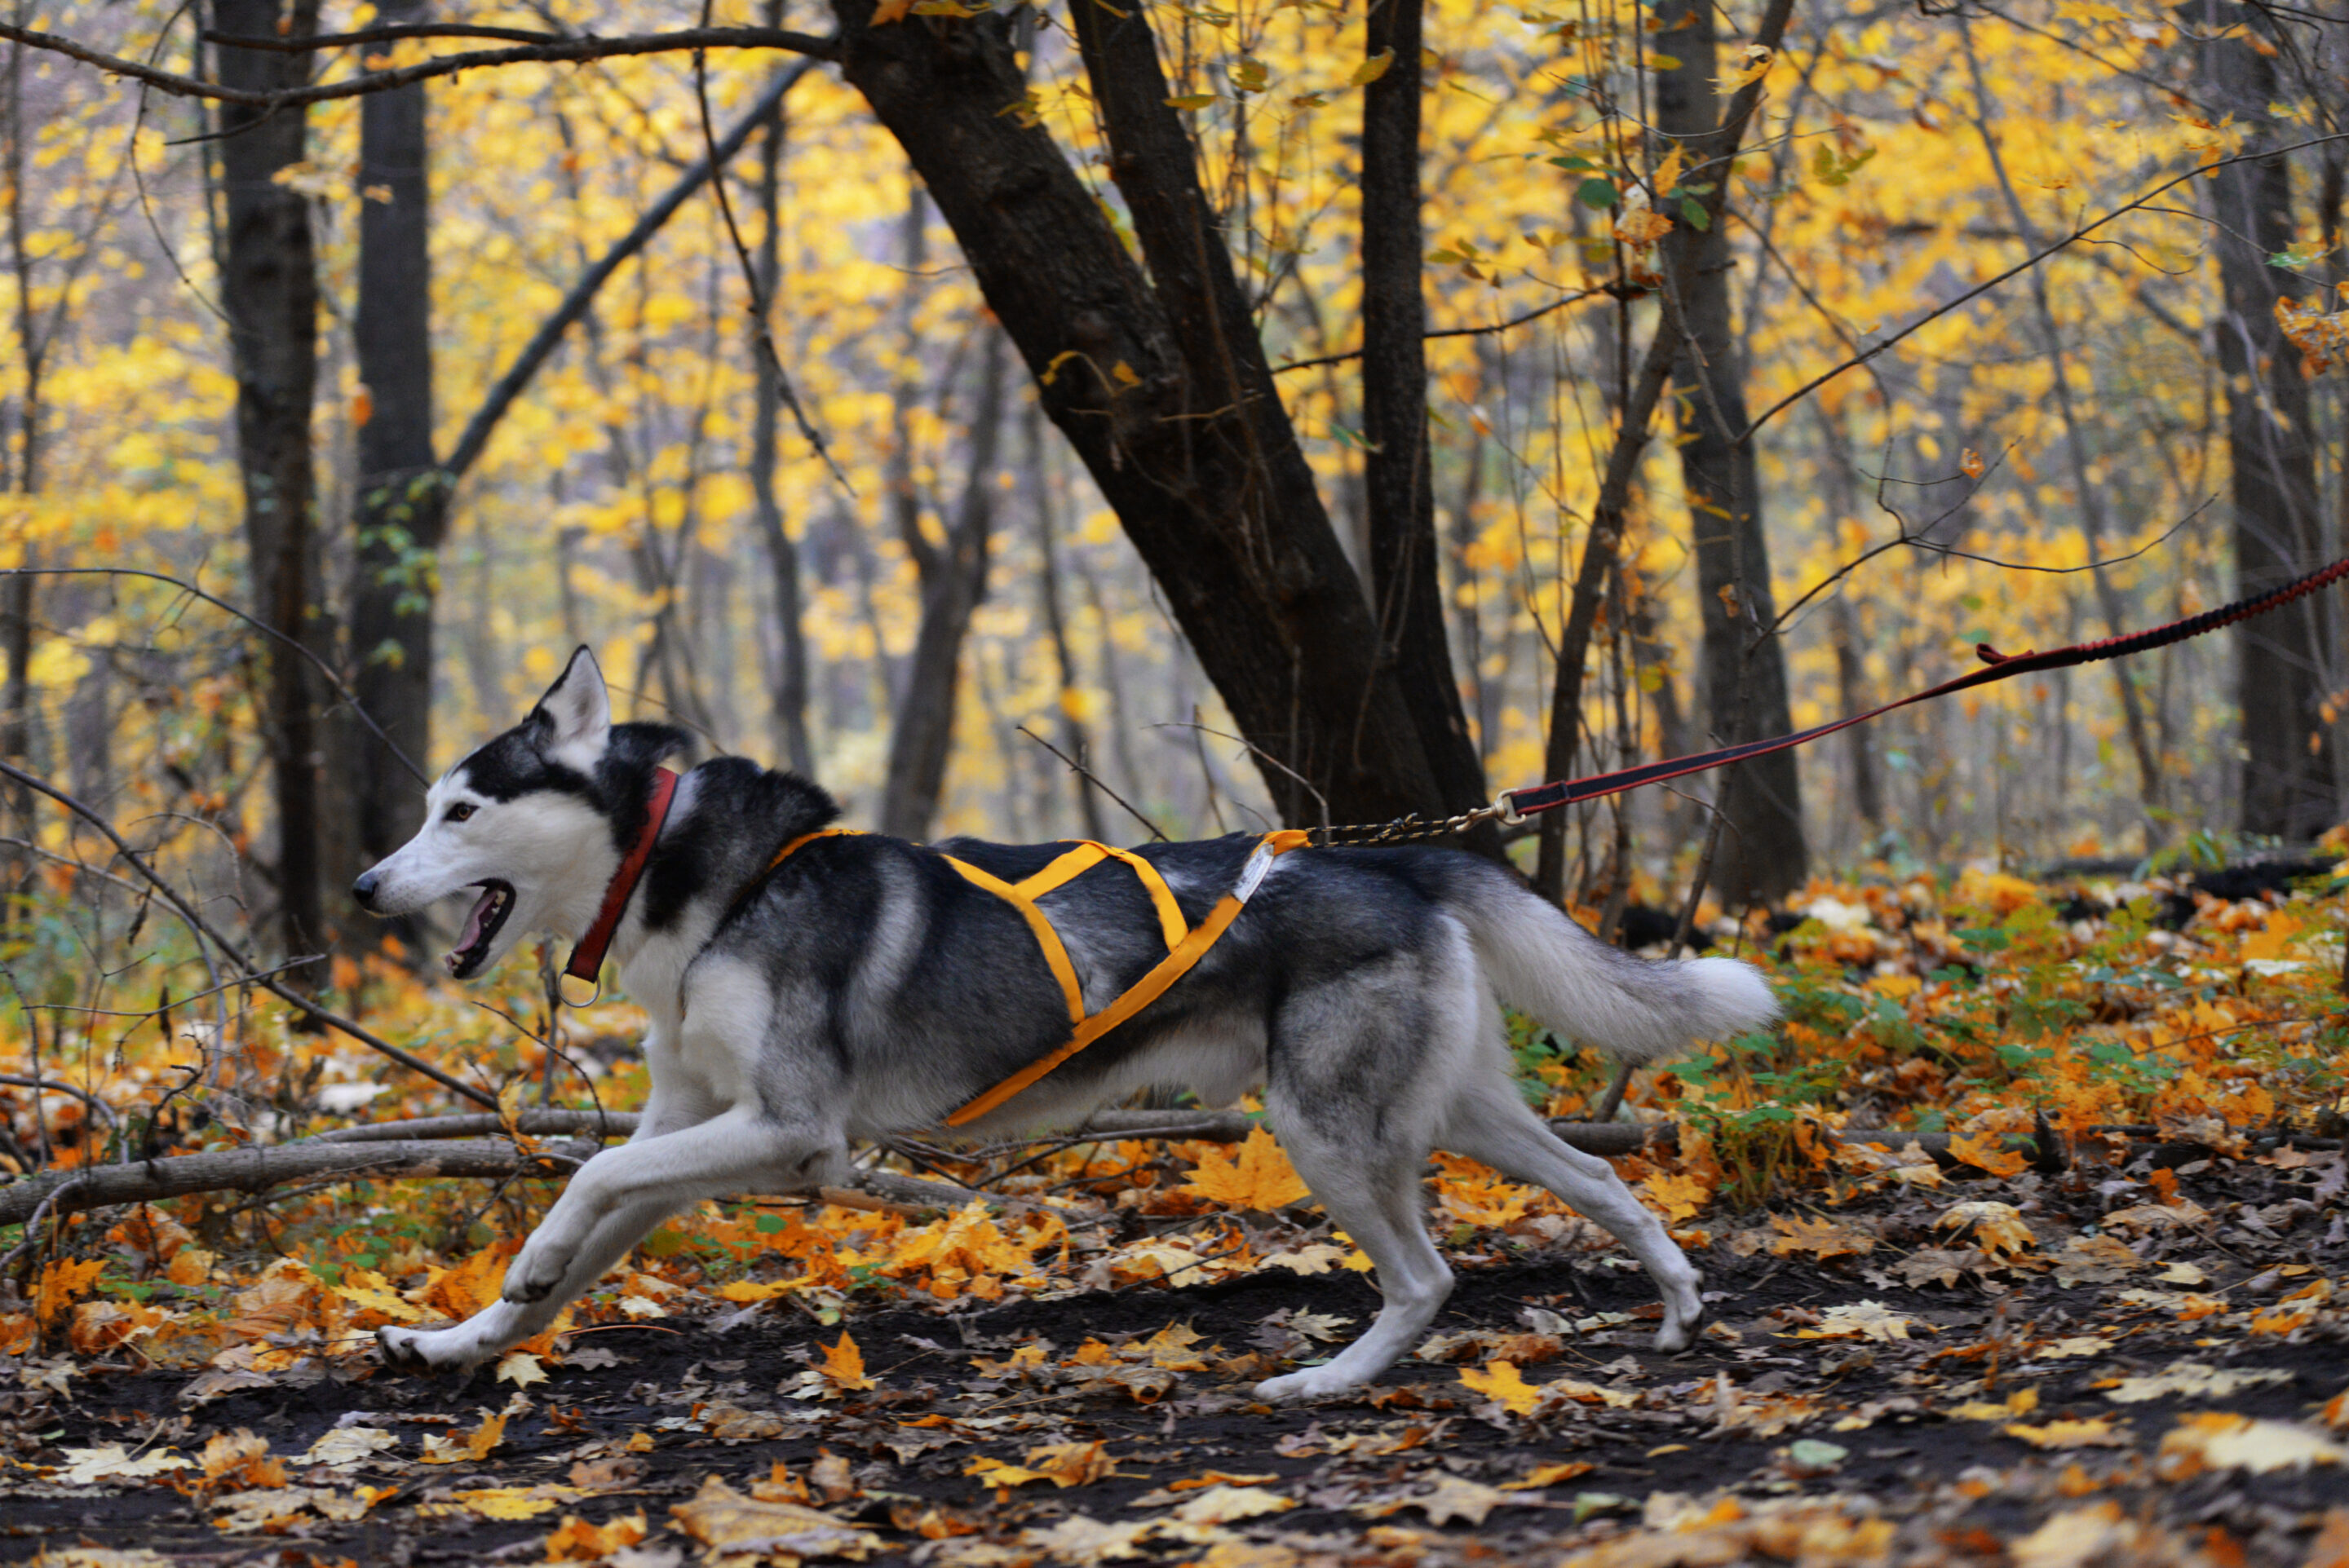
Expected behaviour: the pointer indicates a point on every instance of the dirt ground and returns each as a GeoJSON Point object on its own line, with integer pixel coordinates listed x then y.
{"type": "Point", "coordinates": [2051, 1402]}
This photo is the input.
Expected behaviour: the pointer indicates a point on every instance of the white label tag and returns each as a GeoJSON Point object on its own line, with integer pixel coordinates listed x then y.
{"type": "Point", "coordinates": [1253, 872]}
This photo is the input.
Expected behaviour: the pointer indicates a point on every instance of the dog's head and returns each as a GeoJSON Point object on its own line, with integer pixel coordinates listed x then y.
{"type": "Point", "coordinates": [538, 820]}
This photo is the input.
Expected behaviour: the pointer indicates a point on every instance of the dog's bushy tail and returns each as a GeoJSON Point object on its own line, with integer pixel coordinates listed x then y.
{"type": "Point", "coordinates": [1635, 1009]}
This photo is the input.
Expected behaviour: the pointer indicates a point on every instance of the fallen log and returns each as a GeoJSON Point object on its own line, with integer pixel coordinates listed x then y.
{"type": "Point", "coordinates": [258, 1169]}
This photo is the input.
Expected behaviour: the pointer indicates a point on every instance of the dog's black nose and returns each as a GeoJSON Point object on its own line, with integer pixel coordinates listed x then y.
{"type": "Point", "coordinates": [363, 890]}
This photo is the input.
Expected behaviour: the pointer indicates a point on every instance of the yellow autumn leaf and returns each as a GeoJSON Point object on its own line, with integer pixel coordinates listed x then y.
{"type": "Point", "coordinates": [2268, 942]}
{"type": "Point", "coordinates": [1372, 70]}
{"type": "Point", "coordinates": [1003, 1472]}
{"type": "Point", "coordinates": [2096, 1433]}
{"type": "Point", "coordinates": [844, 1365]}
{"type": "Point", "coordinates": [1668, 173]}
{"type": "Point", "coordinates": [1259, 1177]}
{"type": "Point", "coordinates": [1500, 1381]}
{"type": "Point", "coordinates": [507, 1502]}
{"type": "Point", "coordinates": [369, 1289]}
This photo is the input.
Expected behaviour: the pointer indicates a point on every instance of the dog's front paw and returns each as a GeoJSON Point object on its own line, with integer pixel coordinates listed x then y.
{"type": "Point", "coordinates": [427, 1349]}
{"type": "Point", "coordinates": [1297, 1387]}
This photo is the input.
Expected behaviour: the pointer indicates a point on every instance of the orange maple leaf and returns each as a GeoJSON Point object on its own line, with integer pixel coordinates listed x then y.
{"type": "Point", "coordinates": [1986, 1154]}
{"type": "Point", "coordinates": [1500, 1381]}
{"type": "Point", "coordinates": [1261, 1178]}
{"type": "Point", "coordinates": [843, 1364]}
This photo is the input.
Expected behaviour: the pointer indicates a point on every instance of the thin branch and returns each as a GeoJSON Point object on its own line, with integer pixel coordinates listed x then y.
{"type": "Point", "coordinates": [252, 972]}
{"type": "Point", "coordinates": [2024, 265]}
{"type": "Point", "coordinates": [543, 343]}
{"type": "Point", "coordinates": [757, 303]}
{"type": "Point", "coordinates": [566, 51]}
{"type": "Point", "coordinates": [1509, 326]}
{"type": "Point", "coordinates": [184, 586]}
{"type": "Point", "coordinates": [1081, 771]}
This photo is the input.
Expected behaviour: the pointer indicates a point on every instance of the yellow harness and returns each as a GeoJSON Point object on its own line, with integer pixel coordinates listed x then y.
{"type": "Point", "coordinates": [1186, 945]}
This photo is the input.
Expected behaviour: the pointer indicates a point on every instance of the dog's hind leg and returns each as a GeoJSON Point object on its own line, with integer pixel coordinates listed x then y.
{"type": "Point", "coordinates": [1351, 1063]}
{"type": "Point", "coordinates": [1377, 1202]}
{"type": "Point", "coordinates": [1487, 1121]}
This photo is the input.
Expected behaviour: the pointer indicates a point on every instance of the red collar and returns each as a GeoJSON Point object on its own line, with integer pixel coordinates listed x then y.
{"type": "Point", "coordinates": [587, 958]}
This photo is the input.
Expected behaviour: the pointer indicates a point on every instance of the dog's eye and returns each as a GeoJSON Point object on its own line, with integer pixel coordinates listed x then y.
{"type": "Point", "coordinates": [459, 811]}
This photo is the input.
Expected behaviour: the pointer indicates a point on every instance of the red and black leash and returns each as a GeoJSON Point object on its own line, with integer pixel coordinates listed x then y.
{"type": "Point", "coordinates": [1513, 805]}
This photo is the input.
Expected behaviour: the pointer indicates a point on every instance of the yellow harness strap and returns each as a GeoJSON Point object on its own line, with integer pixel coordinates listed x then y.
{"type": "Point", "coordinates": [1185, 946]}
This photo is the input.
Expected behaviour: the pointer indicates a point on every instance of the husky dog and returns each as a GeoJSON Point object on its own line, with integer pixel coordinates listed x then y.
{"type": "Point", "coordinates": [862, 987]}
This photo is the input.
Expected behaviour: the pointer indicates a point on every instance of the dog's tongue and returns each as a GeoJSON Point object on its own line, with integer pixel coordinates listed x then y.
{"type": "Point", "coordinates": [473, 931]}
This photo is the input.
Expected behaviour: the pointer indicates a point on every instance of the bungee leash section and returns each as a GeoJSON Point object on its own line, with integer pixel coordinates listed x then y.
{"type": "Point", "coordinates": [1513, 806]}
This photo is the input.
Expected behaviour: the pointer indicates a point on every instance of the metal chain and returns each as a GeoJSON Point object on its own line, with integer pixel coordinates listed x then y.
{"type": "Point", "coordinates": [1411, 829]}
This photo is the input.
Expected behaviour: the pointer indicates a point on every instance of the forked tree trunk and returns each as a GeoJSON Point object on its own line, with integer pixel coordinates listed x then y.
{"type": "Point", "coordinates": [1161, 385]}
{"type": "Point", "coordinates": [269, 292]}
{"type": "Point", "coordinates": [1763, 854]}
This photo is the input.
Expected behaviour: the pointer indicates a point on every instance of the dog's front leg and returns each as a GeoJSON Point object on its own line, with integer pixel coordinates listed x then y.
{"type": "Point", "coordinates": [742, 1151]}
{"type": "Point", "coordinates": [506, 1323]}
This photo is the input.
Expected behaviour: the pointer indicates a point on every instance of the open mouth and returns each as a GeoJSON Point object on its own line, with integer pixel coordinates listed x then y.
{"type": "Point", "coordinates": [481, 927]}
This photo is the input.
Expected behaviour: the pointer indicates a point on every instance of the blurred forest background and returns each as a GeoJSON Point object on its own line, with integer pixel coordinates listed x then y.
{"type": "Point", "coordinates": [1054, 375]}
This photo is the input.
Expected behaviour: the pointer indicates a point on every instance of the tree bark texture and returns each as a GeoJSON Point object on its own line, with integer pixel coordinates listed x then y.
{"type": "Point", "coordinates": [1162, 386]}
{"type": "Point", "coordinates": [954, 582]}
{"type": "Point", "coordinates": [402, 495]}
{"type": "Point", "coordinates": [269, 292]}
{"type": "Point", "coordinates": [1399, 489]}
{"type": "Point", "coordinates": [790, 688]}
{"type": "Point", "coordinates": [1762, 854]}
{"type": "Point", "coordinates": [2287, 783]}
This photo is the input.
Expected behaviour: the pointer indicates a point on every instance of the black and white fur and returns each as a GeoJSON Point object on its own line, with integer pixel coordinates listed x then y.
{"type": "Point", "coordinates": [865, 987]}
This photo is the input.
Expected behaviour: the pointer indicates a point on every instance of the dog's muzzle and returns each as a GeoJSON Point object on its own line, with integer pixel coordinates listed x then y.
{"type": "Point", "coordinates": [363, 890]}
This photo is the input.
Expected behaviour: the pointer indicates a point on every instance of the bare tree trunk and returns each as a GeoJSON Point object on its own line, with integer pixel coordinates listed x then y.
{"type": "Point", "coordinates": [1399, 489]}
{"type": "Point", "coordinates": [2287, 780]}
{"type": "Point", "coordinates": [16, 600]}
{"type": "Point", "coordinates": [790, 688]}
{"type": "Point", "coordinates": [954, 582]}
{"type": "Point", "coordinates": [269, 292]}
{"type": "Point", "coordinates": [1763, 855]}
{"type": "Point", "coordinates": [1073, 738]}
{"type": "Point", "coordinates": [402, 494]}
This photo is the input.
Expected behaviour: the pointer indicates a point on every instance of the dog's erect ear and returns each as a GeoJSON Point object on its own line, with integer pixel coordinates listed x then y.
{"type": "Point", "coordinates": [576, 709]}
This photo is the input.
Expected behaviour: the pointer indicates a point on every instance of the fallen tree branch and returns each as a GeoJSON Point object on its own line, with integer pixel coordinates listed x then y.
{"type": "Point", "coordinates": [257, 1169]}
{"type": "Point", "coordinates": [454, 1146]}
